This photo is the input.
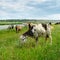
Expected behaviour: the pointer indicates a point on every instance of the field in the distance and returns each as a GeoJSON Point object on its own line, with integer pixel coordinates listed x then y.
{"type": "Point", "coordinates": [10, 49]}
{"type": "Point", "coordinates": [17, 21]}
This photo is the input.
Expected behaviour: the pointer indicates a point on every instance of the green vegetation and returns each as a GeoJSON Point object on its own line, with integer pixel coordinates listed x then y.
{"type": "Point", "coordinates": [11, 50]}
{"type": "Point", "coordinates": [9, 23]}
{"type": "Point", "coordinates": [19, 21]}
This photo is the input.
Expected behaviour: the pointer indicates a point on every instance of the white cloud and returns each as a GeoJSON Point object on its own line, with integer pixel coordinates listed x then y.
{"type": "Point", "coordinates": [24, 10]}
{"type": "Point", "coordinates": [19, 5]}
{"type": "Point", "coordinates": [3, 13]}
{"type": "Point", "coordinates": [40, 1]}
{"type": "Point", "coordinates": [48, 17]}
{"type": "Point", "coordinates": [52, 17]}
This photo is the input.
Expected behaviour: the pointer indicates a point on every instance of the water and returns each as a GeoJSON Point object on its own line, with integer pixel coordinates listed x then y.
{"type": "Point", "coordinates": [6, 26]}
{"type": "Point", "coordinates": [3, 27]}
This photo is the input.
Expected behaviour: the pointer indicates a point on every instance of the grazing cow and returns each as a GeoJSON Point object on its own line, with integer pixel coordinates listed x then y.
{"type": "Point", "coordinates": [11, 27]}
{"type": "Point", "coordinates": [18, 28]}
{"type": "Point", "coordinates": [36, 31]}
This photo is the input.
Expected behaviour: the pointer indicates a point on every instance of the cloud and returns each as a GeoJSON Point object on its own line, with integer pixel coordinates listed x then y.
{"type": "Point", "coordinates": [18, 5]}
{"type": "Point", "coordinates": [40, 1]}
{"type": "Point", "coordinates": [37, 9]}
{"type": "Point", "coordinates": [3, 15]}
{"type": "Point", "coordinates": [52, 17]}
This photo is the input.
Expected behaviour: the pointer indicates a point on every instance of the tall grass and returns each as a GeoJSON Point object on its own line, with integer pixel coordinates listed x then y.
{"type": "Point", "coordinates": [10, 49]}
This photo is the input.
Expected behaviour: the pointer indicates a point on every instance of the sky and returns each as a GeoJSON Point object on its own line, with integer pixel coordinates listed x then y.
{"type": "Point", "coordinates": [30, 9]}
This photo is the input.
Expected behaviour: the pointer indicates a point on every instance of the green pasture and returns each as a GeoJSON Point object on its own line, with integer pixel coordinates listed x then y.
{"type": "Point", "coordinates": [9, 23]}
{"type": "Point", "coordinates": [10, 48]}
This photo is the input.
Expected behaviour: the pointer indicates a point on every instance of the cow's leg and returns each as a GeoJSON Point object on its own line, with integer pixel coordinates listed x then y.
{"type": "Point", "coordinates": [36, 41]}
{"type": "Point", "coordinates": [47, 36]}
{"type": "Point", "coordinates": [16, 29]}
{"type": "Point", "coordinates": [50, 37]}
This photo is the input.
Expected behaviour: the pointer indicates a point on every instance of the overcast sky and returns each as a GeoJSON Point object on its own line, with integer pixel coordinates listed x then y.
{"type": "Point", "coordinates": [30, 9]}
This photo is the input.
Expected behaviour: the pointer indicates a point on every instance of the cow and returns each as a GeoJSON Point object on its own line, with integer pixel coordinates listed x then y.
{"type": "Point", "coordinates": [18, 28]}
{"type": "Point", "coordinates": [36, 31]}
{"type": "Point", "coordinates": [10, 26]}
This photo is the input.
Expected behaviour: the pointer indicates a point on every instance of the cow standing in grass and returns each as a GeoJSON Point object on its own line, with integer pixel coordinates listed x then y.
{"type": "Point", "coordinates": [10, 26]}
{"type": "Point", "coordinates": [18, 28]}
{"type": "Point", "coordinates": [37, 31]}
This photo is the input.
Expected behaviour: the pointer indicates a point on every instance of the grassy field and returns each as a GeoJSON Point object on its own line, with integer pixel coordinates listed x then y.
{"type": "Point", "coordinates": [9, 23]}
{"type": "Point", "coordinates": [10, 49]}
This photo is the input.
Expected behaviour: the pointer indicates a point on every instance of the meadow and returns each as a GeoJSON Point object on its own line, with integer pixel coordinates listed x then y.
{"type": "Point", "coordinates": [10, 48]}
{"type": "Point", "coordinates": [9, 23]}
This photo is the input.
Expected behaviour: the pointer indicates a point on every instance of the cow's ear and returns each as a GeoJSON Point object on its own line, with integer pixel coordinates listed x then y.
{"type": "Point", "coordinates": [29, 25]}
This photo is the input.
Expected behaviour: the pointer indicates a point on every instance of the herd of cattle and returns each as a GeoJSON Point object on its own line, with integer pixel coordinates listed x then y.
{"type": "Point", "coordinates": [35, 31]}
{"type": "Point", "coordinates": [17, 27]}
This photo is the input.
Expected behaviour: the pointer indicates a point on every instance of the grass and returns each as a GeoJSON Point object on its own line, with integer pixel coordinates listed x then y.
{"type": "Point", "coordinates": [10, 49]}
{"type": "Point", "coordinates": [9, 23]}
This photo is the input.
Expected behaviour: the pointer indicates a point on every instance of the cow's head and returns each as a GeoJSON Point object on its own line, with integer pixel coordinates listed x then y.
{"type": "Point", "coordinates": [29, 32]}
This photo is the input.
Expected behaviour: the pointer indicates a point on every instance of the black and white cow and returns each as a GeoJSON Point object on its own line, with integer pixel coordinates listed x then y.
{"type": "Point", "coordinates": [36, 31]}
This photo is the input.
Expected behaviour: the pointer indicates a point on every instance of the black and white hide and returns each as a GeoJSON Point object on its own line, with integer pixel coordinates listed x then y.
{"type": "Point", "coordinates": [37, 31]}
